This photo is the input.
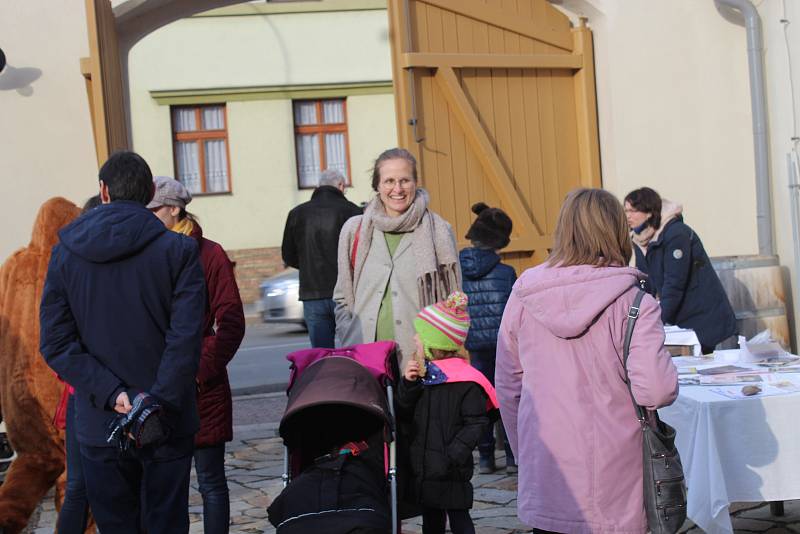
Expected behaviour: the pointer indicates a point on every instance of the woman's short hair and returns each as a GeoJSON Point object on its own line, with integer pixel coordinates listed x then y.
{"type": "Point", "coordinates": [591, 230]}
{"type": "Point", "coordinates": [392, 153]}
{"type": "Point", "coordinates": [646, 200]}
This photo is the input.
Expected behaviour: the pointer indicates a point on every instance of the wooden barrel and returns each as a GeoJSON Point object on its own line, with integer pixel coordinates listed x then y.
{"type": "Point", "coordinates": [756, 290]}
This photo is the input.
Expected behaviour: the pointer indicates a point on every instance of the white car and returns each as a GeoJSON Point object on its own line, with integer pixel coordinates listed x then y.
{"type": "Point", "coordinates": [280, 302]}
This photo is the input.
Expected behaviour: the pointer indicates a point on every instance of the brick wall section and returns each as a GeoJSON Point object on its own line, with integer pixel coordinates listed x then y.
{"type": "Point", "coordinates": [252, 266]}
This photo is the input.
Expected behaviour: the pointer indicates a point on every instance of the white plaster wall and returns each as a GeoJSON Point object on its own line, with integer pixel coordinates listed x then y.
{"type": "Point", "coordinates": [46, 144]}
{"type": "Point", "coordinates": [674, 111]}
{"type": "Point", "coordinates": [784, 123]}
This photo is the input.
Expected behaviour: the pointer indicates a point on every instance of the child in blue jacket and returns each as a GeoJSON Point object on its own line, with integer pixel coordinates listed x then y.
{"type": "Point", "coordinates": [487, 283]}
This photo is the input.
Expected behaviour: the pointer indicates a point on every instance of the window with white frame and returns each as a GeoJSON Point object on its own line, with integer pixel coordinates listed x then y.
{"type": "Point", "coordinates": [200, 138]}
{"type": "Point", "coordinates": [320, 128]}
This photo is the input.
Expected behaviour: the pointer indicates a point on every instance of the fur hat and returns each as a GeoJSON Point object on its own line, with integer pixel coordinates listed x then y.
{"type": "Point", "coordinates": [492, 228]}
{"type": "Point", "coordinates": [443, 325]}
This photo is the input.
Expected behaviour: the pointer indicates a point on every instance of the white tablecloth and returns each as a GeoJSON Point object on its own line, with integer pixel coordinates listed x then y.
{"type": "Point", "coordinates": [744, 450]}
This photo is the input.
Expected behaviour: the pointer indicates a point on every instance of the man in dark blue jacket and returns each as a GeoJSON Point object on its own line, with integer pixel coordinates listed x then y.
{"type": "Point", "coordinates": [122, 314]}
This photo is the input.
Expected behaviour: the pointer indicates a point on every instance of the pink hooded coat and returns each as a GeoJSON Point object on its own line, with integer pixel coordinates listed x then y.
{"type": "Point", "coordinates": [564, 402]}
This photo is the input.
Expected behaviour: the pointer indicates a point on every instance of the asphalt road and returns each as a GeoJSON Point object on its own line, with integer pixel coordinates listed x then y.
{"type": "Point", "coordinates": [260, 366]}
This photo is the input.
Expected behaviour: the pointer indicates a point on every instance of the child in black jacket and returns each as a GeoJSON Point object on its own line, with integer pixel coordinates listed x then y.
{"type": "Point", "coordinates": [449, 405]}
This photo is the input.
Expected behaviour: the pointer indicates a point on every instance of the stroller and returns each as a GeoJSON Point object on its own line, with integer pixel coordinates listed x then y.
{"type": "Point", "coordinates": [339, 437]}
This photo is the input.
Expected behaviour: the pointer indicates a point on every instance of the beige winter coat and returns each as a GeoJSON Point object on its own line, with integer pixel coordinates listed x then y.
{"type": "Point", "coordinates": [359, 324]}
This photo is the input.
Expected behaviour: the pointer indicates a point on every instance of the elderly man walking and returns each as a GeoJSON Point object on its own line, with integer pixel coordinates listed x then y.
{"type": "Point", "coordinates": [310, 244]}
{"type": "Point", "coordinates": [121, 321]}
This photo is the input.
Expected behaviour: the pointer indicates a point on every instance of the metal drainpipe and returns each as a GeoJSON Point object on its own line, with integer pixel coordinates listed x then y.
{"type": "Point", "coordinates": [758, 104]}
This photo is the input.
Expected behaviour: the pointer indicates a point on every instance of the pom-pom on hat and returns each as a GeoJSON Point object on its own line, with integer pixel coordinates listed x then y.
{"type": "Point", "coordinates": [443, 325]}
{"type": "Point", "coordinates": [492, 228]}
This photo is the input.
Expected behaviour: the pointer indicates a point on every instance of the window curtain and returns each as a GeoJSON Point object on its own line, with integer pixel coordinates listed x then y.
{"type": "Point", "coordinates": [184, 119]}
{"type": "Point", "coordinates": [213, 118]}
{"type": "Point", "coordinates": [333, 111]}
{"type": "Point", "coordinates": [216, 166]}
{"type": "Point", "coordinates": [188, 159]}
{"type": "Point", "coordinates": [308, 161]}
{"type": "Point", "coordinates": [336, 152]}
{"type": "Point", "coordinates": [305, 113]}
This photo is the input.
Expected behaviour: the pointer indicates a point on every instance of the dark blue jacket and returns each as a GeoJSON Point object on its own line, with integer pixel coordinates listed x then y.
{"type": "Point", "coordinates": [123, 308]}
{"type": "Point", "coordinates": [682, 277]}
{"type": "Point", "coordinates": [487, 283]}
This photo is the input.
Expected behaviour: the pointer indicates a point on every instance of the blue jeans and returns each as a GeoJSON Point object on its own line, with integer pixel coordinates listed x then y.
{"type": "Point", "coordinates": [321, 321]}
{"type": "Point", "coordinates": [118, 483]}
{"type": "Point", "coordinates": [73, 515]}
{"type": "Point", "coordinates": [209, 463]}
{"type": "Point", "coordinates": [484, 361]}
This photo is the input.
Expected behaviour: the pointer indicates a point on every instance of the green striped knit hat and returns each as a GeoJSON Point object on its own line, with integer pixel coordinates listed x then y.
{"type": "Point", "coordinates": [443, 325]}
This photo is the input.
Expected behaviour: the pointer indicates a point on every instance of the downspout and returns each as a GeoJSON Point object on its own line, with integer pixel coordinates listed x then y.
{"type": "Point", "coordinates": [758, 104]}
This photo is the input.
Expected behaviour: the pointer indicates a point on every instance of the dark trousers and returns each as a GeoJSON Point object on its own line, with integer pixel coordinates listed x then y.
{"type": "Point", "coordinates": [484, 361]}
{"type": "Point", "coordinates": [73, 516]}
{"type": "Point", "coordinates": [117, 483]}
{"type": "Point", "coordinates": [209, 463]}
{"type": "Point", "coordinates": [434, 520]}
{"type": "Point", "coordinates": [321, 322]}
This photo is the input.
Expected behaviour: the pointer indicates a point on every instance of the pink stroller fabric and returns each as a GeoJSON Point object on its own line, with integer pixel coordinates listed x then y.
{"type": "Point", "coordinates": [375, 357]}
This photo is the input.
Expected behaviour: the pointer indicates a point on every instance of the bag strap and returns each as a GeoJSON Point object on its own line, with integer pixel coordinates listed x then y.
{"type": "Point", "coordinates": [355, 245]}
{"type": "Point", "coordinates": [633, 314]}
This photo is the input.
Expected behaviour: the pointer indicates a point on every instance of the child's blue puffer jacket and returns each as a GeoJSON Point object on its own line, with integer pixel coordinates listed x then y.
{"type": "Point", "coordinates": [487, 283]}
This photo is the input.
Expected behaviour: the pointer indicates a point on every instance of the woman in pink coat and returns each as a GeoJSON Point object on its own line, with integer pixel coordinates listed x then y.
{"type": "Point", "coordinates": [560, 378]}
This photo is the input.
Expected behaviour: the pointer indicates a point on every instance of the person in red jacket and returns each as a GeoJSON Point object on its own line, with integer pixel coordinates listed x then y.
{"type": "Point", "coordinates": [222, 333]}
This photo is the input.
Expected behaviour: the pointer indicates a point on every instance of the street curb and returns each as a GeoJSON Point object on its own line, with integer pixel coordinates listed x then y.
{"type": "Point", "coordinates": [257, 390]}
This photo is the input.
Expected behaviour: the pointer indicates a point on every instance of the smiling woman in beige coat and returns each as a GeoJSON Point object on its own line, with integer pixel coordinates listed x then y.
{"type": "Point", "coordinates": [394, 260]}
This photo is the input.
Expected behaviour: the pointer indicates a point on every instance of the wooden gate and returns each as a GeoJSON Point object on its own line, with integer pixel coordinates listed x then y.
{"type": "Point", "coordinates": [103, 76]}
{"type": "Point", "coordinates": [496, 98]}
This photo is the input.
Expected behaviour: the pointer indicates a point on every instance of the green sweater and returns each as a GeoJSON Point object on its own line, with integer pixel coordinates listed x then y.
{"type": "Point", "coordinates": [385, 327]}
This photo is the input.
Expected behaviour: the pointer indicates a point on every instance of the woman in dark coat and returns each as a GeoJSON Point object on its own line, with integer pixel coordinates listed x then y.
{"type": "Point", "coordinates": [223, 331]}
{"type": "Point", "coordinates": [680, 274]}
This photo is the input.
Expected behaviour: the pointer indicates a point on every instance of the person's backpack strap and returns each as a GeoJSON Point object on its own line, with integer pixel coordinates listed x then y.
{"type": "Point", "coordinates": [633, 314]}
{"type": "Point", "coordinates": [355, 246]}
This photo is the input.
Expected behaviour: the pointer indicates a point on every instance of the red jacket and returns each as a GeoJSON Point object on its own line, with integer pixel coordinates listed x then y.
{"type": "Point", "coordinates": [219, 344]}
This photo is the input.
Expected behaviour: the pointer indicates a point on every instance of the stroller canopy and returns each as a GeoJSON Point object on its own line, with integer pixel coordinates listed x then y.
{"type": "Point", "coordinates": [336, 398]}
{"type": "Point", "coordinates": [378, 357]}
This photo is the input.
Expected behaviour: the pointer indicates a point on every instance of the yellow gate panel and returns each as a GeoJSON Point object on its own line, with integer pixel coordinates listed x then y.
{"type": "Point", "coordinates": [496, 100]}
{"type": "Point", "coordinates": [103, 75]}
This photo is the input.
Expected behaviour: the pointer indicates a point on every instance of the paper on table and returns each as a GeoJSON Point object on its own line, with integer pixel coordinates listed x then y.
{"type": "Point", "coordinates": [784, 387]}
{"type": "Point", "coordinates": [731, 379]}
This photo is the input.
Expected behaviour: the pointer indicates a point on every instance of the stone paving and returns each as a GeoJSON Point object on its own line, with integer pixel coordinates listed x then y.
{"type": "Point", "coordinates": [254, 464]}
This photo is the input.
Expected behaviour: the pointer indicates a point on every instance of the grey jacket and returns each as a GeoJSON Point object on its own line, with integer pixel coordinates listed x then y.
{"type": "Point", "coordinates": [359, 324]}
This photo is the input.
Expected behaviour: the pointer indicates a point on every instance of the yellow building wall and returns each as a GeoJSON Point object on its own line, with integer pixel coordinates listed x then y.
{"type": "Point", "coordinates": [268, 51]}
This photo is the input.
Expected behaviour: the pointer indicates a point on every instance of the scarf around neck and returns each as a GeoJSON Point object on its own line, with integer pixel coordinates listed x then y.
{"type": "Point", "coordinates": [436, 258]}
{"type": "Point", "coordinates": [185, 227]}
{"type": "Point", "coordinates": [669, 210]}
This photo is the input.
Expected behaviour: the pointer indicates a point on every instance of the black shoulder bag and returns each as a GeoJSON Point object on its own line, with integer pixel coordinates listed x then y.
{"type": "Point", "coordinates": [664, 487]}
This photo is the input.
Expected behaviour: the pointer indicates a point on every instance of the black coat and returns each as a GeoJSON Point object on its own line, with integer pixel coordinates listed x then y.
{"type": "Point", "coordinates": [311, 240]}
{"type": "Point", "coordinates": [447, 421]}
{"type": "Point", "coordinates": [122, 309]}
{"type": "Point", "coordinates": [682, 277]}
{"type": "Point", "coordinates": [487, 283]}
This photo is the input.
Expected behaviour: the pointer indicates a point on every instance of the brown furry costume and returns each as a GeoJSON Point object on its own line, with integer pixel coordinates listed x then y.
{"type": "Point", "coordinates": [29, 391]}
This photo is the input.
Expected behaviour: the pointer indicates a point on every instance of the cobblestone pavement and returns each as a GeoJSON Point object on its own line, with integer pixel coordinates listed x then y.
{"type": "Point", "coordinates": [254, 464]}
